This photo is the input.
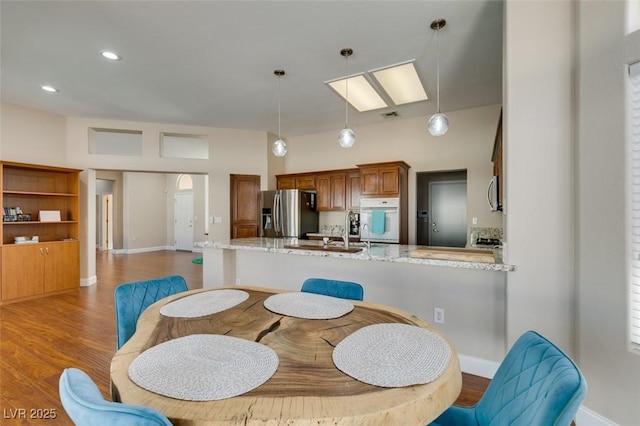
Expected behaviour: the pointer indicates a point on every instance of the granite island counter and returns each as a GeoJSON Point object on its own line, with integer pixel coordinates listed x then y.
{"type": "Point", "coordinates": [377, 252]}
{"type": "Point", "coordinates": [473, 294]}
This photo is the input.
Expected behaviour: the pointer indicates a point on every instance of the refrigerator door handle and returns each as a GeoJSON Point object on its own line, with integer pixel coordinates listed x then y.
{"type": "Point", "coordinates": [276, 213]}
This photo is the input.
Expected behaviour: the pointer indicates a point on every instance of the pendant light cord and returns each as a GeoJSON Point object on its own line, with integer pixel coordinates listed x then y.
{"type": "Point", "coordinates": [438, 72]}
{"type": "Point", "coordinates": [279, 134]}
{"type": "Point", "coordinates": [346, 95]}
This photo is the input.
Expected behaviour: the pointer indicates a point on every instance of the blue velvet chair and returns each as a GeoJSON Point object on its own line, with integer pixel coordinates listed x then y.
{"type": "Point", "coordinates": [131, 299]}
{"type": "Point", "coordinates": [85, 405]}
{"type": "Point", "coordinates": [335, 288]}
{"type": "Point", "coordinates": [536, 384]}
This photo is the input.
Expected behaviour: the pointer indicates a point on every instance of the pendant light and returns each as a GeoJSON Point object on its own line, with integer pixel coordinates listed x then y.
{"type": "Point", "coordinates": [346, 138]}
{"type": "Point", "coordinates": [438, 123]}
{"type": "Point", "coordinates": [279, 147]}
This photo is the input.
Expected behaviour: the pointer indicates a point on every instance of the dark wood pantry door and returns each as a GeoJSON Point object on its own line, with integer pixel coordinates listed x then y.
{"type": "Point", "coordinates": [245, 206]}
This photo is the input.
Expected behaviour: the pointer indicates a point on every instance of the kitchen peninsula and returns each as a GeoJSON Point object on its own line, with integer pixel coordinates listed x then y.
{"type": "Point", "coordinates": [472, 293]}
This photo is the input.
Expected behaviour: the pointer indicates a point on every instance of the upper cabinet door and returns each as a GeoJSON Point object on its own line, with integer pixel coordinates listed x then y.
{"type": "Point", "coordinates": [353, 189]}
{"type": "Point", "coordinates": [331, 190]}
{"type": "Point", "coordinates": [286, 182]}
{"type": "Point", "coordinates": [369, 181]}
{"type": "Point", "coordinates": [384, 179]}
{"type": "Point", "coordinates": [306, 182]}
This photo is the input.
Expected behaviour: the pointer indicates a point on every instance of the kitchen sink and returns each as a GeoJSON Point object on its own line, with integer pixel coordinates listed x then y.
{"type": "Point", "coordinates": [331, 247]}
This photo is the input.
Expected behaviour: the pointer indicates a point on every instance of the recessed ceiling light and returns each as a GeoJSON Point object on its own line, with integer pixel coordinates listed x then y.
{"type": "Point", "coordinates": [110, 55]}
{"type": "Point", "coordinates": [48, 88]}
{"type": "Point", "coordinates": [362, 95]}
{"type": "Point", "coordinates": [401, 82]}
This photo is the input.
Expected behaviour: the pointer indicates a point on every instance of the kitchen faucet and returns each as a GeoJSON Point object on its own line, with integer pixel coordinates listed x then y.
{"type": "Point", "coordinates": [367, 242]}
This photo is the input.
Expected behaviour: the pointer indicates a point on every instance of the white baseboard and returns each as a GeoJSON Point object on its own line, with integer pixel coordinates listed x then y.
{"type": "Point", "coordinates": [483, 368]}
{"type": "Point", "coordinates": [86, 282]}
{"type": "Point", "coordinates": [148, 249]}
{"type": "Point", "coordinates": [478, 366]}
{"type": "Point", "coordinates": [586, 417]}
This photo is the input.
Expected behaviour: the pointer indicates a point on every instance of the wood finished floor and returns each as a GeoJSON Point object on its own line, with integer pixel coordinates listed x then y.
{"type": "Point", "coordinates": [41, 337]}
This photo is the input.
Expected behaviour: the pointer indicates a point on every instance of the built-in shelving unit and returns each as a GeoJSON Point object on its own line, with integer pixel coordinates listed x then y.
{"type": "Point", "coordinates": [50, 262]}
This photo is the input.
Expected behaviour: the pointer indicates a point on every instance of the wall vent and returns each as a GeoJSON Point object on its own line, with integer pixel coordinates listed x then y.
{"type": "Point", "coordinates": [391, 114]}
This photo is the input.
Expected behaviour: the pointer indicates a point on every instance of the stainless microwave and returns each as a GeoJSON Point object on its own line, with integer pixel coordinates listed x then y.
{"type": "Point", "coordinates": [493, 194]}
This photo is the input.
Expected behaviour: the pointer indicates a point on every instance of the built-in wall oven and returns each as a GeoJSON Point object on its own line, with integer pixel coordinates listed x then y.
{"type": "Point", "coordinates": [380, 220]}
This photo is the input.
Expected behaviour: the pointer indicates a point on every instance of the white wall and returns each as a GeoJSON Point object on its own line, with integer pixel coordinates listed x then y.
{"type": "Point", "coordinates": [467, 145]}
{"type": "Point", "coordinates": [612, 371]}
{"type": "Point", "coordinates": [144, 211]}
{"type": "Point", "coordinates": [539, 140]}
{"type": "Point", "coordinates": [31, 136]}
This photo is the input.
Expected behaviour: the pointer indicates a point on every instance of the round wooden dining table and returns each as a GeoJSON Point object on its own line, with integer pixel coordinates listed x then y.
{"type": "Point", "coordinates": [307, 388]}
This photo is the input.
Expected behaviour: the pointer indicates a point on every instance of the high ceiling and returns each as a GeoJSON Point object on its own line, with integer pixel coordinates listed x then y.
{"type": "Point", "coordinates": [211, 63]}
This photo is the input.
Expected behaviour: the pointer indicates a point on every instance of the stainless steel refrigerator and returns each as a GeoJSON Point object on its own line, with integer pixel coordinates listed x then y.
{"type": "Point", "coordinates": [288, 213]}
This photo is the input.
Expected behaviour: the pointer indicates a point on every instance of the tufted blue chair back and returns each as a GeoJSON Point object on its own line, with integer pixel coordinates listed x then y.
{"type": "Point", "coordinates": [536, 384]}
{"type": "Point", "coordinates": [335, 288]}
{"type": "Point", "coordinates": [131, 299]}
{"type": "Point", "coordinates": [85, 405]}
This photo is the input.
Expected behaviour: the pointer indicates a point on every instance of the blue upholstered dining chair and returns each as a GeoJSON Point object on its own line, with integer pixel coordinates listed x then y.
{"type": "Point", "coordinates": [131, 299]}
{"type": "Point", "coordinates": [335, 288]}
{"type": "Point", "coordinates": [536, 384]}
{"type": "Point", "coordinates": [85, 405]}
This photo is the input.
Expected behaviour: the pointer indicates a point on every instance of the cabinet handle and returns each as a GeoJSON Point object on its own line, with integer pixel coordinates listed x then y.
{"type": "Point", "coordinates": [41, 251]}
{"type": "Point", "coordinates": [47, 250]}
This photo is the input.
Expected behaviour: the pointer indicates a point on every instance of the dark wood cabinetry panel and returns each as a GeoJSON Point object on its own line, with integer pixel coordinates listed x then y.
{"type": "Point", "coordinates": [245, 206]}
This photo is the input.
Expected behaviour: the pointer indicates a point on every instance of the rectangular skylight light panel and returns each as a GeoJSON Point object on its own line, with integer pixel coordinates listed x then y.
{"type": "Point", "coordinates": [401, 82]}
{"type": "Point", "coordinates": [362, 96]}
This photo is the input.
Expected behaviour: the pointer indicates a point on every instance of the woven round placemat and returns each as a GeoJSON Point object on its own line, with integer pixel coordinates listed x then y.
{"type": "Point", "coordinates": [392, 355]}
{"type": "Point", "coordinates": [205, 303]}
{"type": "Point", "coordinates": [308, 305]}
{"type": "Point", "coordinates": [204, 367]}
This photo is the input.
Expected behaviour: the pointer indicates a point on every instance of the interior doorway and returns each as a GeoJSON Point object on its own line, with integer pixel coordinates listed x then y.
{"type": "Point", "coordinates": [104, 214]}
{"type": "Point", "coordinates": [441, 202]}
{"type": "Point", "coordinates": [183, 221]}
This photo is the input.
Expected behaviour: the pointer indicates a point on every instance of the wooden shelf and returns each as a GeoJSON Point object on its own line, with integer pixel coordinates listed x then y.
{"type": "Point", "coordinates": [39, 194]}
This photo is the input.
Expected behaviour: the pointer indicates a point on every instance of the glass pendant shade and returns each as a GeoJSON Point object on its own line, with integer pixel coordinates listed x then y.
{"type": "Point", "coordinates": [346, 138]}
{"type": "Point", "coordinates": [438, 124]}
{"type": "Point", "coordinates": [279, 148]}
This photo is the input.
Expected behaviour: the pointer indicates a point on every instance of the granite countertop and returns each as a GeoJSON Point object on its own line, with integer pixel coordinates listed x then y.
{"type": "Point", "coordinates": [379, 252]}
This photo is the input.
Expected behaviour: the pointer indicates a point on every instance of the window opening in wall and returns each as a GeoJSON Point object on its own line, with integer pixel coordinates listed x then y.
{"type": "Point", "coordinates": [184, 146]}
{"type": "Point", "coordinates": [634, 296]}
{"type": "Point", "coordinates": [184, 182]}
{"type": "Point", "coordinates": [115, 142]}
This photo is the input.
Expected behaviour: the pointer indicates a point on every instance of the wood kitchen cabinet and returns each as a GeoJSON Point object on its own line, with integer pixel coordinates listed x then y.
{"type": "Point", "coordinates": [296, 181]}
{"type": "Point", "coordinates": [53, 263]}
{"type": "Point", "coordinates": [384, 179]}
{"type": "Point", "coordinates": [353, 189]}
{"type": "Point", "coordinates": [331, 191]}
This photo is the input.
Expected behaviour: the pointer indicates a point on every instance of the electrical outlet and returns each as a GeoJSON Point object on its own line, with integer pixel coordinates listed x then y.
{"type": "Point", "coordinates": [438, 315]}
